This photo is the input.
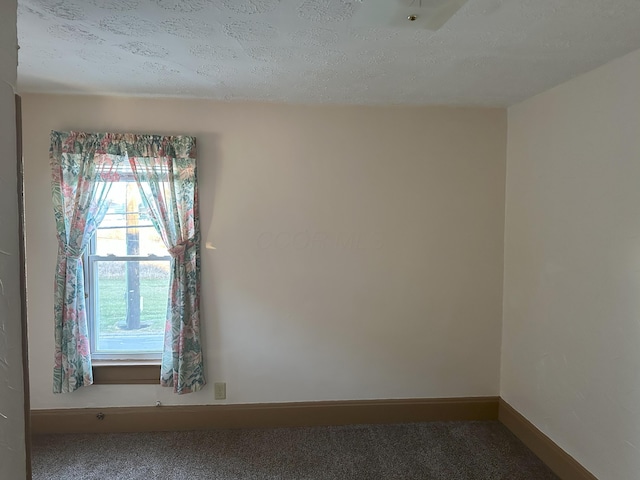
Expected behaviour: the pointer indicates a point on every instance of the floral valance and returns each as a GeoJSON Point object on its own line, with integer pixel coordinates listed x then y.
{"type": "Point", "coordinates": [133, 145]}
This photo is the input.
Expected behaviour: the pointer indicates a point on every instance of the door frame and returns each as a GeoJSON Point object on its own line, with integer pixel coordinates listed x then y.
{"type": "Point", "coordinates": [23, 286]}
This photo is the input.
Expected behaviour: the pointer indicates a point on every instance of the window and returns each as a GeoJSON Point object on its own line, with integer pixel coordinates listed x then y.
{"type": "Point", "coordinates": [127, 279]}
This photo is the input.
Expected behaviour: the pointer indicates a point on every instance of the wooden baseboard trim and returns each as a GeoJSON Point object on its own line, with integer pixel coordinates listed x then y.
{"type": "Point", "coordinates": [563, 464]}
{"type": "Point", "coordinates": [185, 417]}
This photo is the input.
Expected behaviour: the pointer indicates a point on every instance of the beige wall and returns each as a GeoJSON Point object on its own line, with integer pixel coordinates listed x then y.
{"type": "Point", "coordinates": [12, 440]}
{"type": "Point", "coordinates": [359, 250]}
{"type": "Point", "coordinates": [571, 338]}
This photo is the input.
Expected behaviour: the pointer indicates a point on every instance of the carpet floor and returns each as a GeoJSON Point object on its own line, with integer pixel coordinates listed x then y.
{"type": "Point", "coordinates": [425, 451]}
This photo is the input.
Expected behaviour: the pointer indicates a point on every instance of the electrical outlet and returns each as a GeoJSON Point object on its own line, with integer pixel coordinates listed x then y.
{"type": "Point", "coordinates": [220, 390]}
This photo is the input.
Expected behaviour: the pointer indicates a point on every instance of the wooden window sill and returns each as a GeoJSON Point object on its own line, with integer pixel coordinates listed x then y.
{"type": "Point", "coordinates": [126, 373]}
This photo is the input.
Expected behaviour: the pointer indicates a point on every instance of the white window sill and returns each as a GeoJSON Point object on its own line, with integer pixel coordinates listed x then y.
{"type": "Point", "coordinates": [124, 362]}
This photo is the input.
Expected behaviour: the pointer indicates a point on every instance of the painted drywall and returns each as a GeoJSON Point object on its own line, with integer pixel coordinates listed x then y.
{"type": "Point", "coordinates": [571, 332]}
{"type": "Point", "coordinates": [359, 249]}
{"type": "Point", "coordinates": [12, 436]}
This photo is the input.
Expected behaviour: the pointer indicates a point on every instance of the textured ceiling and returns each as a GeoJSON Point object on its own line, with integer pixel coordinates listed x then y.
{"type": "Point", "coordinates": [491, 52]}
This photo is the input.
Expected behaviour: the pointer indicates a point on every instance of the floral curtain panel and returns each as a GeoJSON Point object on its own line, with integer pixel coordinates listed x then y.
{"type": "Point", "coordinates": [83, 167]}
{"type": "Point", "coordinates": [78, 190]}
{"type": "Point", "coordinates": [169, 189]}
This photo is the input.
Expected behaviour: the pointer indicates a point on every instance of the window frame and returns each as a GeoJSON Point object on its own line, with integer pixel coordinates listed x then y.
{"type": "Point", "coordinates": [90, 257]}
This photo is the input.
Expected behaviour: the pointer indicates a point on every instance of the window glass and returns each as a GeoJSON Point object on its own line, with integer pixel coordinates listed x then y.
{"type": "Point", "coordinates": [127, 228]}
{"type": "Point", "coordinates": [131, 305]}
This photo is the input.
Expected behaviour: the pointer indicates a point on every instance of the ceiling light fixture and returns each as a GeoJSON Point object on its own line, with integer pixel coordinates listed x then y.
{"type": "Point", "coordinates": [427, 14]}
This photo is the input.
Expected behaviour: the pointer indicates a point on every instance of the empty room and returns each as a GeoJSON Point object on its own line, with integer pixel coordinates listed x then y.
{"type": "Point", "coordinates": [320, 239]}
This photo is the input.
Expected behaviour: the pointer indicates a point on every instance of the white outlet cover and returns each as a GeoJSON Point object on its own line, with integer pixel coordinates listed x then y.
{"type": "Point", "coordinates": [220, 390]}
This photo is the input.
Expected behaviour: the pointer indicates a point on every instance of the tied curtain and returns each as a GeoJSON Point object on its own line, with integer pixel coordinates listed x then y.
{"type": "Point", "coordinates": [168, 188]}
{"type": "Point", "coordinates": [79, 187]}
{"type": "Point", "coordinates": [83, 167]}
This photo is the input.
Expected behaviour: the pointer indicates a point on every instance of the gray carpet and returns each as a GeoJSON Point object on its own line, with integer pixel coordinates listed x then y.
{"type": "Point", "coordinates": [425, 451]}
